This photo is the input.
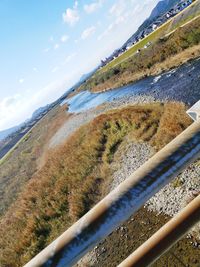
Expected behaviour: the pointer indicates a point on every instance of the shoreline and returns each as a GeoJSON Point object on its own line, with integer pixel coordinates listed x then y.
{"type": "Point", "coordinates": [176, 61]}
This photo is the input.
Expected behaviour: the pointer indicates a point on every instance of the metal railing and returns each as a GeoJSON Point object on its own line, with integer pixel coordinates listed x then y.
{"type": "Point", "coordinates": [121, 203]}
{"type": "Point", "coordinates": [165, 237]}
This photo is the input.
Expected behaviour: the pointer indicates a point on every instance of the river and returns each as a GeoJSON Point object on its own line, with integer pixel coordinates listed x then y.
{"type": "Point", "coordinates": [179, 84]}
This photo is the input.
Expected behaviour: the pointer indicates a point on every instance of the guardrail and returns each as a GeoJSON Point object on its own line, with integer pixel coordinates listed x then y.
{"type": "Point", "coordinates": [165, 237]}
{"type": "Point", "coordinates": [121, 203]}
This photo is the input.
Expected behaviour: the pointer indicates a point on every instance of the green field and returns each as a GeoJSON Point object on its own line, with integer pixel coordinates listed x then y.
{"type": "Point", "coordinates": [150, 38]}
{"type": "Point", "coordinates": [162, 54]}
{"type": "Point", "coordinates": [186, 15]}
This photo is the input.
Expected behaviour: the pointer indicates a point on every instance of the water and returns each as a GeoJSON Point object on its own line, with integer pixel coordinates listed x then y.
{"type": "Point", "coordinates": [179, 84]}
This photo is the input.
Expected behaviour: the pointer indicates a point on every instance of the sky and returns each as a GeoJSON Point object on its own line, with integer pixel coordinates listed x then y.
{"type": "Point", "coordinates": [46, 45]}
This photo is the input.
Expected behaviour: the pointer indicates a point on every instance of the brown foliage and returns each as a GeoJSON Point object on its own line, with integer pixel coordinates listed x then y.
{"type": "Point", "coordinates": [72, 179]}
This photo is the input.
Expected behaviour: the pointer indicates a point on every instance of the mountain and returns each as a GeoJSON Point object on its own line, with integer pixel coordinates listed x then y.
{"type": "Point", "coordinates": [86, 76]}
{"type": "Point", "coordinates": [161, 8]}
{"type": "Point", "coordinates": [38, 111]}
{"type": "Point", "coordinates": [7, 132]}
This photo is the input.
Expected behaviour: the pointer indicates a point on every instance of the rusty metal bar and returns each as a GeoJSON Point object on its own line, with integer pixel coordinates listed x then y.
{"type": "Point", "coordinates": [121, 203]}
{"type": "Point", "coordinates": [165, 237]}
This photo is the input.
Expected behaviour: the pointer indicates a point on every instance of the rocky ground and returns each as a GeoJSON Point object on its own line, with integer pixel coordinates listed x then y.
{"type": "Point", "coordinates": [134, 155]}
{"type": "Point", "coordinates": [174, 196]}
{"type": "Point", "coordinates": [167, 201]}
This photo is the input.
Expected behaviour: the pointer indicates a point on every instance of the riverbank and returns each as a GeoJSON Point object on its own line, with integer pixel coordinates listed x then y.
{"type": "Point", "coordinates": [158, 69]}
{"type": "Point", "coordinates": [165, 53]}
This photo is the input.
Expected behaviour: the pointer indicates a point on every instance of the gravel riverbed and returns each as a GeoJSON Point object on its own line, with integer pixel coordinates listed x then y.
{"type": "Point", "coordinates": [174, 196]}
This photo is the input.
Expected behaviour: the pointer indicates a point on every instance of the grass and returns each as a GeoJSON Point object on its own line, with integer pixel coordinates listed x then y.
{"type": "Point", "coordinates": [173, 50]}
{"type": "Point", "coordinates": [150, 38]}
{"type": "Point", "coordinates": [75, 176]}
{"type": "Point", "coordinates": [9, 153]}
{"type": "Point", "coordinates": [184, 16]}
{"type": "Point", "coordinates": [24, 159]}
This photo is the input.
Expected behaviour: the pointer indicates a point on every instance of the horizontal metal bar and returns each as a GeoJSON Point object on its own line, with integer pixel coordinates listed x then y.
{"type": "Point", "coordinates": [165, 237]}
{"type": "Point", "coordinates": [121, 203]}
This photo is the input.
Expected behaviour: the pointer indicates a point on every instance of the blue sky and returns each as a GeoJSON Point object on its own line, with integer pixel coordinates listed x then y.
{"type": "Point", "coordinates": [46, 45]}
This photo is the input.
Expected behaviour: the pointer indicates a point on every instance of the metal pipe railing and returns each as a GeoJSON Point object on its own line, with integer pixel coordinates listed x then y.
{"type": "Point", "coordinates": [165, 237]}
{"type": "Point", "coordinates": [121, 203]}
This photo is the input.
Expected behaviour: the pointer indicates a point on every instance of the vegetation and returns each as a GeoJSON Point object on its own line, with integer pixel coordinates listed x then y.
{"type": "Point", "coordinates": [75, 176]}
{"type": "Point", "coordinates": [27, 157]}
{"type": "Point", "coordinates": [185, 16]}
{"type": "Point", "coordinates": [149, 61]}
{"type": "Point", "coordinates": [189, 14]}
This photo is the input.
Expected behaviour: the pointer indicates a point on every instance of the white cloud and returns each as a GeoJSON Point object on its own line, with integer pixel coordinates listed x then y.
{"type": "Point", "coordinates": [76, 4]}
{"type": "Point", "coordinates": [90, 8]}
{"type": "Point", "coordinates": [55, 69]}
{"type": "Point", "coordinates": [69, 58]}
{"type": "Point", "coordinates": [64, 38]}
{"type": "Point", "coordinates": [88, 32]}
{"type": "Point", "coordinates": [51, 39]}
{"type": "Point", "coordinates": [9, 106]}
{"type": "Point", "coordinates": [122, 16]}
{"type": "Point", "coordinates": [35, 69]}
{"type": "Point", "coordinates": [108, 30]}
{"type": "Point", "coordinates": [71, 16]}
{"type": "Point", "coordinates": [8, 101]}
{"type": "Point", "coordinates": [46, 50]}
{"type": "Point", "coordinates": [56, 46]}
{"type": "Point", "coordinates": [118, 8]}
{"type": "Point", "coordinates": [21, 80]}
{"type": "Point", "coordinates": [17, 108]}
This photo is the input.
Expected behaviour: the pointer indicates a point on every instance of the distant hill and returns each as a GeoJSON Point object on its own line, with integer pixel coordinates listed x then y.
{"type": "Point", "coordinates": [7, 132]}
{"type": "Point", "coordinates": [161, 8]}
{"type": "Point", "coordinates": [86, 76]}
{"type": "Point", "coordinates": [38, 111]}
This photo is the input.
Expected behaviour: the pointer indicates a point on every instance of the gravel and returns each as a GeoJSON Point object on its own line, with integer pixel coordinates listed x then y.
{"type": "Point", "coordinates": [77, 120]}
{"type": "Point", "coordinates": [135, 155]}
{"type": "Point", "coordinates": [169, 200]}
{"type": "Point", "coordinates": [177, 194]}
{"type": "Point", "coordinates": [174, 196]}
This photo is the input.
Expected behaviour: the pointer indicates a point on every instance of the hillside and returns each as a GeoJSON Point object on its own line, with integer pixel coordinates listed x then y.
{"type": "Point", "coordinates": [5, 133]}
{"type": "Point", "coordinates": [27, 157]}
{"type": "Point", "coordinates": [161, 8]}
